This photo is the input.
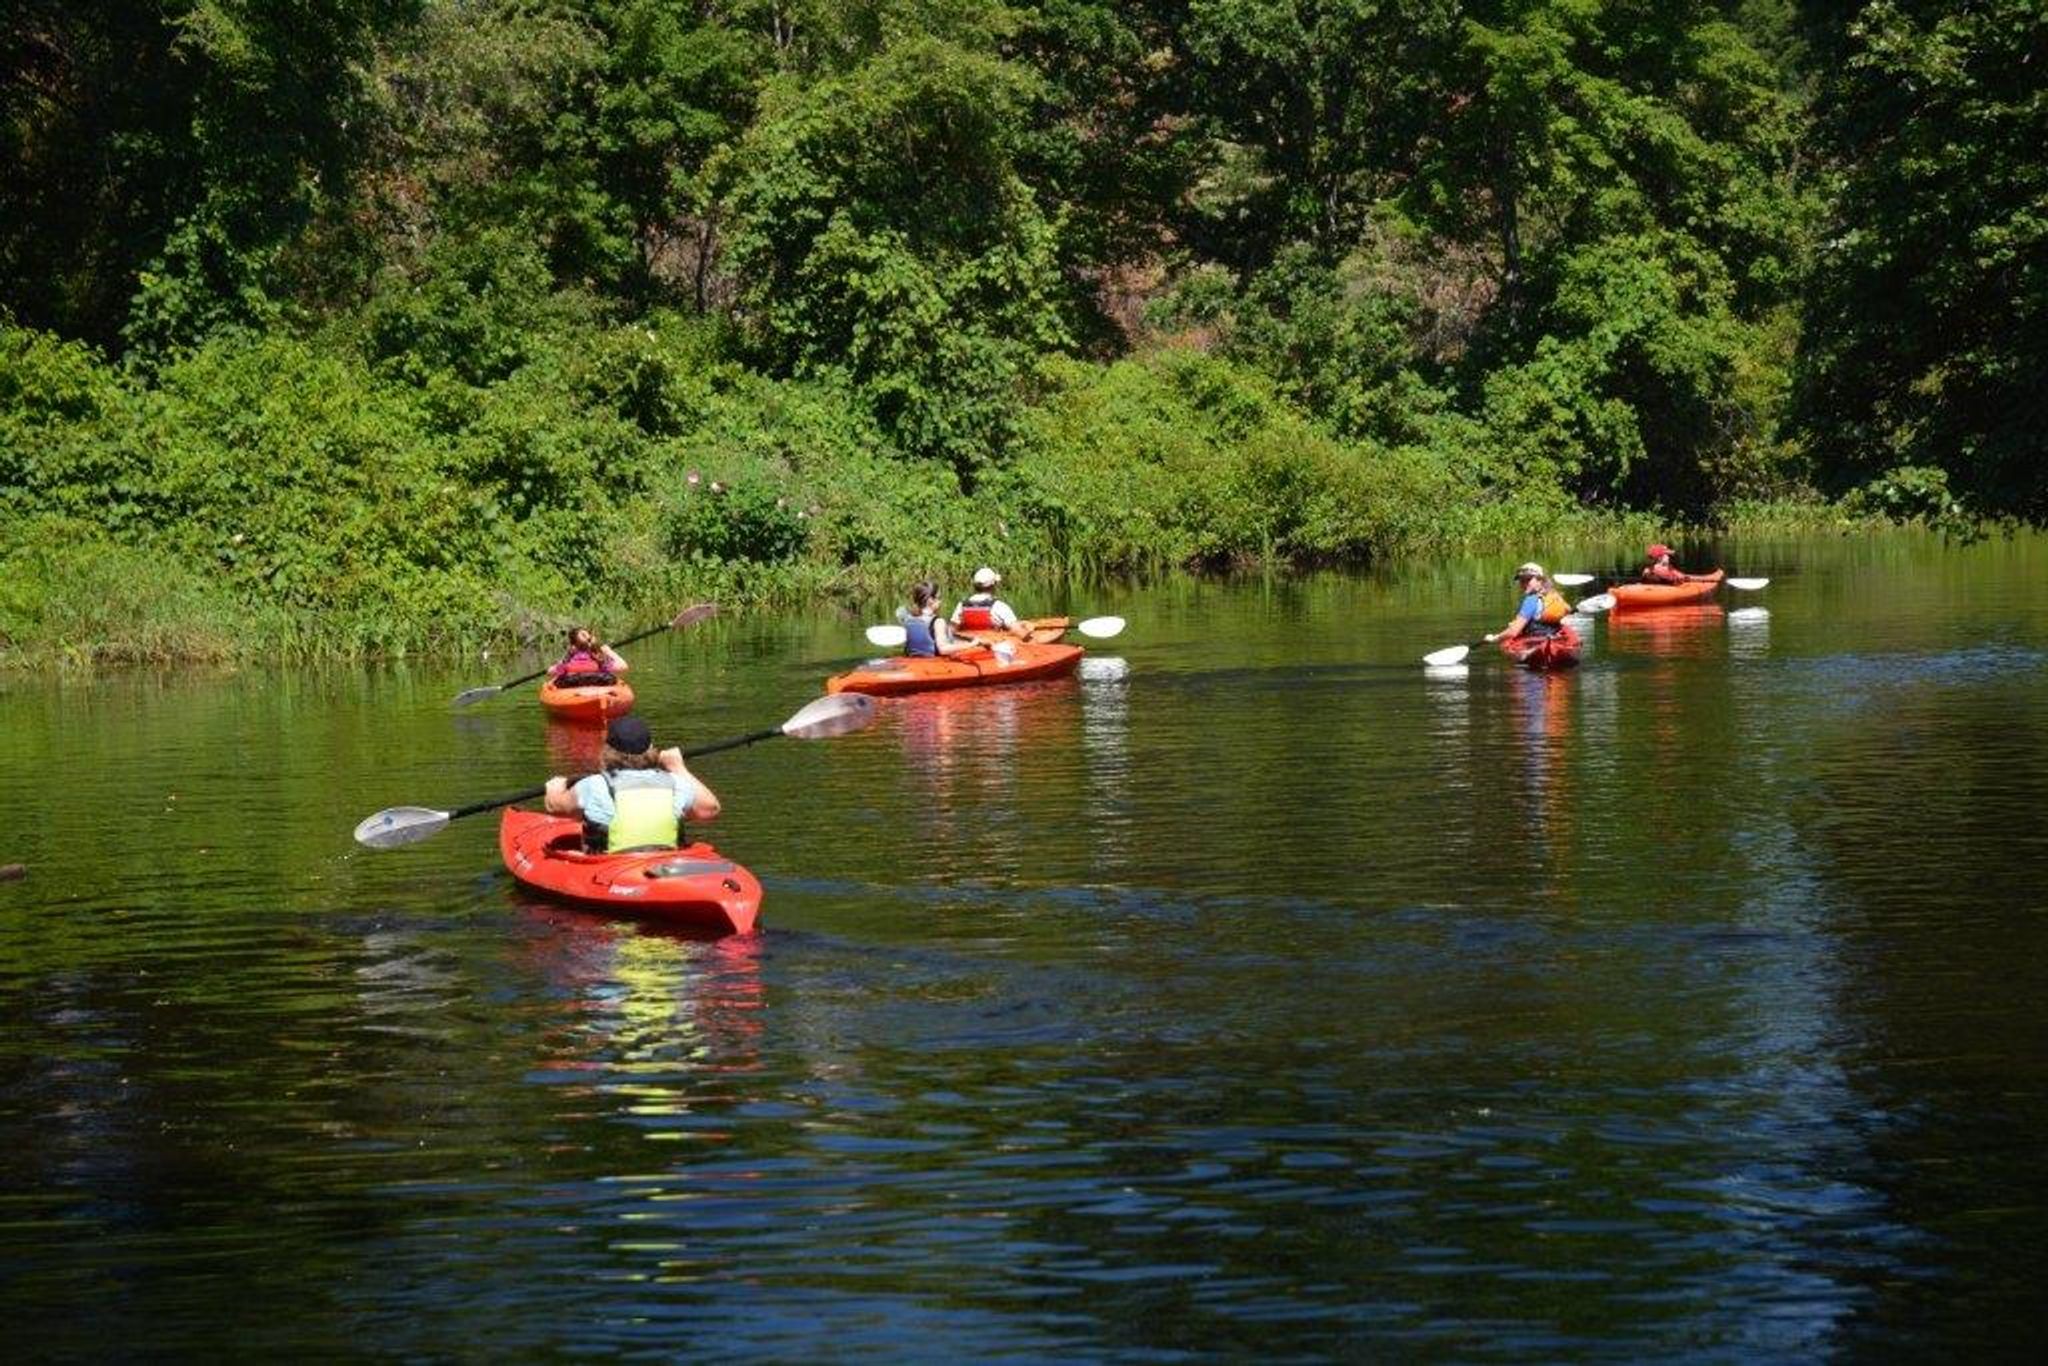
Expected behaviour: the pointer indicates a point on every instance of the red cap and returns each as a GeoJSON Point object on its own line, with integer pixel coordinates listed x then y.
{"type": "Point", "coordinates": [1658, 551]}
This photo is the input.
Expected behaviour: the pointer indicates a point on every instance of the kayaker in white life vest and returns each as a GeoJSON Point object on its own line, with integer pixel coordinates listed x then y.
{"type": "Point", "coordinates": [638, 799]}
{"type": "Point", "coordinates": [982, 610]}
{"type": "Point", "coordinates": [1543, 608]}
{"type": "Point", "coordinates": [926, 634]}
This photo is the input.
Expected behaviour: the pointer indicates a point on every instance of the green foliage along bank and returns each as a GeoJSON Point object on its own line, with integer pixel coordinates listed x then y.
{"type": "Point", "coordinates": [267, 493]}
{"type": "Point", "coordinates": [418, 323]}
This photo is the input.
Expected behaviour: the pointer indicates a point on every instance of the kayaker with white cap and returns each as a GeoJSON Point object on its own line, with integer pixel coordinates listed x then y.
{"type": "Point", "coordinates": [1543, 608]}
{"type": "Point", "coordinates": [640, 796]}
{"type": "Point", "coordinates": [982, 610]}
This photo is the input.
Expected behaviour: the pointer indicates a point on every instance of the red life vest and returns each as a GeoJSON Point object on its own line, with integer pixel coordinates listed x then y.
{"type": "Point", "coordinates": [973, 613]}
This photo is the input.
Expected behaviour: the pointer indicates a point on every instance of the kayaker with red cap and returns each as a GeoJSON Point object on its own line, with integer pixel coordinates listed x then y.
{"type": "Point", "coordinates": [926, 634]}
{"type": "Point", "coordinates": [589, 662]}
{"type": "Point", "coordinates": [982, 610]}
{"type": "Point", "coordinates": [1542, 611]}
{"type": "Point", "coordinates": [638, 799]}
{"type": "Point", "coordinates": [1660, 569]}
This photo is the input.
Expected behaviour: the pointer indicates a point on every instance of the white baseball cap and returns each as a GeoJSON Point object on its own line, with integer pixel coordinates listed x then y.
{"type": "Point", "coordinates": [985, 577]}
{"type": "Point", "coordinates": [1531, 570]}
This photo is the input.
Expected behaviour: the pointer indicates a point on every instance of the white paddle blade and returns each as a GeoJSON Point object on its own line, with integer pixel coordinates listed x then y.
{"type": "Point", "coordinates": [1599, 602]}
{"type": "Point", "coordinates": [887, 636]}
{"type": "Point", "coordinates": [1571, 580]}
{"type": "Point", "coordinates": [1102, 628]}
{"type": "Point", "coordinates": [396, 825]}
{"type": "Point", "coordinates": [474, 695]}
{"type": "Point", "coordinates": [1443, 659]}
{"type": "Point", "coordinates": [829, 716]}
{"type": "Point", "coordinates": [1746, 585]}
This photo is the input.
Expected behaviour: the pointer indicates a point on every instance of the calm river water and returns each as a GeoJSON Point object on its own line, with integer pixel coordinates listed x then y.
{"type": "Point", "coordinates": [1253, 994]}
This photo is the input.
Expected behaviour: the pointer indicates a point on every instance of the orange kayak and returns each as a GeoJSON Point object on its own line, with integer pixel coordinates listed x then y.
{"type": "Point", "coordinates": [973, 668]}
{"type": "Point", "coordinates": [598, 703]}
{"type": "Point", "coordinates": [1636, 596]}
{"type": "Point", "coordinates": [1560, 651]}
{"type": "Point", "coordinates": [691, 886]}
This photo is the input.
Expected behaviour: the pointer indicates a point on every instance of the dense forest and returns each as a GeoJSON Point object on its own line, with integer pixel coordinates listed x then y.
{"type": "Point", "coordinates": [376, 325]}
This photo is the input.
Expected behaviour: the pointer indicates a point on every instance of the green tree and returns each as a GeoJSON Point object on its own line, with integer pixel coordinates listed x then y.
{"type": "Point", "coordinates": [1927, 326]}
{"type": "Point", "coordinates": [881, 236]}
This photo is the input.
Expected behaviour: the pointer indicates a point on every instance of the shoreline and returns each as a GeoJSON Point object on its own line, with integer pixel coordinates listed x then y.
{"type": "Point", "coordinates": [175, 620]}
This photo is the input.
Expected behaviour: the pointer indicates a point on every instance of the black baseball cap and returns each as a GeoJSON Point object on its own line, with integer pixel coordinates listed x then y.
{"type": "Point", "coordinates": [629, 735]}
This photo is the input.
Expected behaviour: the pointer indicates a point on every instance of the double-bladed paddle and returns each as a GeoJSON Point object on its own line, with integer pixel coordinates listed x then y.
{"type": "Point", "coordinates": [1455, 654]}
{"type": "Point", "coordinates": [818, 720]}
{"type": "Point", "coordinates": [1100, 628]}
{"type": "Point", "coordinates": [689, 616]}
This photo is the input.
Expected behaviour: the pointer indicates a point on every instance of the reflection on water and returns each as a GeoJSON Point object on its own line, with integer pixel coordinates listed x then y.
{"type": "Point", "coordinates": [1690, 632]}
{"type": "Point", "coordinates": [1255, 993]}
{"type": "Point", "coordinates": [577, 749]}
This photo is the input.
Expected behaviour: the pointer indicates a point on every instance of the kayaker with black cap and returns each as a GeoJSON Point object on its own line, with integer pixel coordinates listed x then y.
{"type": "Point", "coordinates": [982, 610]}
{"type": "Point", "coordinates": [638, 799]}
{"type": "Point", "coordinates": [1543, 608]}
{"type": "Point", "coordinates": [1660, 569]}
{"type": "Point", "coordinates": [926, 634]}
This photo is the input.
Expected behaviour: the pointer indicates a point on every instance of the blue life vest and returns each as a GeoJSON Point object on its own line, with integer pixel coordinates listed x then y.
{"type": "Point", "coordinates": [918, 637]}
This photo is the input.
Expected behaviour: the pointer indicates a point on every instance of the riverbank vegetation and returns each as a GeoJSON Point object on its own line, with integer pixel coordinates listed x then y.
{"type": "Point", "coordinates": [417, 323]}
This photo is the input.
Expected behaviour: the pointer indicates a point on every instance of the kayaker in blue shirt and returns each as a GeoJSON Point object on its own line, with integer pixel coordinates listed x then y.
{"type": "Point", "coordinates": [640, 796]}
{"type": "Point", "coordinates": [1543, 608]}
{"type": "Point", "coordinates": [927, 634]}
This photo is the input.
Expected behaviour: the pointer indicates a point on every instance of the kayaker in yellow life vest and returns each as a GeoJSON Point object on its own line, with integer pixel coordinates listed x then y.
{"type": "Point", "coordinates": [926, 634]}
{"type": "Point", "coordinates": [1543, 608]}
{"type": "Point", "coordinates": [982, 610]}
{"type": "Point", "coordinates": [638, 799]}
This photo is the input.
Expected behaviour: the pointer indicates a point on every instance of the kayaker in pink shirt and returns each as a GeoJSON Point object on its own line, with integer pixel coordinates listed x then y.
{"type": "Point", "coordinates": [587, 656]}
{"type": "Point", "coordinates": [1660, 569]}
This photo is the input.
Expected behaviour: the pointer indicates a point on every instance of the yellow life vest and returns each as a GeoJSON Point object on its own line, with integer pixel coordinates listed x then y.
{"type": "Point", "coordinates": [644, 810]}
{"type": "Point", "coordinates": [1555, 608]}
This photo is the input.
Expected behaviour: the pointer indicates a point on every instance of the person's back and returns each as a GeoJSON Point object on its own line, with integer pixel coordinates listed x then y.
{"type": "Point", "coordinates": [926, 634]}
{"type": "Point", "coordinates": [982, 610]}
{"type": "Point", "coordinates": [639, 797]}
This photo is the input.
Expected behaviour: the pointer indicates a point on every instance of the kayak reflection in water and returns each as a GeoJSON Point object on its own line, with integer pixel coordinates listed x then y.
{"type": "Point", "coordinates": [588, 663]}
{"type": "Point", "coordinates": [1542, 611]}
{"type": "Point", "coordinates": [638, 799]}
{"type": "Point", "coordinates": [1660, 569]}
{"type": "Point", "coordinates": [926, 634]}
{"type": "Point", "coordinates": [982, 610]}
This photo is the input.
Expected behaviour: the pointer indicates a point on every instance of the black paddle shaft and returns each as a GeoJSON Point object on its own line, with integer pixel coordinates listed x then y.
{"type": "Point", "coordinates": [530, 793]}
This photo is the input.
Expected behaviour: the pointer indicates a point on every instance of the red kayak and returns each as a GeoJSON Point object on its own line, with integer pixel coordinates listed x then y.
{"type": "Point", "coordinates": [1545, 653]}
{"type": "Point", "coordinates": [597, 703]}
{"type": "Point", "coordinates": [970, 669]}
{"type": "Point", "coordinates": [690, 886]}
{"type": "Point", "coordinates": [1636, 596]}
